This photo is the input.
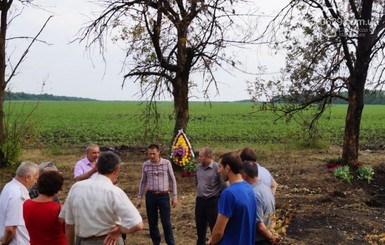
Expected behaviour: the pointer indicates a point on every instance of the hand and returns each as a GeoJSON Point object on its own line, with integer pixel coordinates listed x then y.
{"type": "Point", "coordinates": [115, 181]}
{"type": "Point", "coordinates": [112, 236]}
{"type": "Point", "coordinates": [275, 239]}
{"type": "Point", "coordinates": [174, 202]}
{"type": "Point", "coordinates": [138, 203]}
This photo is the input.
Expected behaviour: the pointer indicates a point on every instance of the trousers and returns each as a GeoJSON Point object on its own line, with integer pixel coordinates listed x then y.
{"type": "Point", "coordinates": [161, 204]}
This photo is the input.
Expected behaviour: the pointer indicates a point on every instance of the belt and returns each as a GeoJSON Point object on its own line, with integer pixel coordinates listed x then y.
{"type": "Point", "coordinates": [158, 193]}
{"type": "Point", "coordinates": [207, 198]}
{"type": "Point", "coordinates": [93, 238]}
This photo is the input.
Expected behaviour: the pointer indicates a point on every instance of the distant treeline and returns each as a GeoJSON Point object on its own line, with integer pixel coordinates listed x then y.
{"type": "Point", "coordinates": [371, 97]}
{"type": "Point", "coordinates": [50, 97]}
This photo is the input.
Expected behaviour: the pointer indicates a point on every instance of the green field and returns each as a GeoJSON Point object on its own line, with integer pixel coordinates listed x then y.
{"type": "Point", "coordinates": [216, 124]}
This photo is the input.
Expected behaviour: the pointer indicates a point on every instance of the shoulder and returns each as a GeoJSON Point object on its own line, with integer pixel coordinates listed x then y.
{"type": "Point", "coordinates": [81, 161]}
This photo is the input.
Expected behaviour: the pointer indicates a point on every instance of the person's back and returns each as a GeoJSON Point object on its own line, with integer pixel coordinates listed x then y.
{"type": "Point", "coordinates": [264, 175]}
{"type": "Point", "coordinates": [266, 206]}
{"type": "Point", "coordinates": [41, 213]}
{"type": "Point", "coordinates": [97, 210]}
{"type": "Point", "coordinates": [41, 220]}
{"type": "Point", "coordinates": [240, 207]}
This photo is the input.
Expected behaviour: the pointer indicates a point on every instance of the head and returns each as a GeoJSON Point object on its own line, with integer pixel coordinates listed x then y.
{"type": "Point", "coordinates": [205, 156]}
{"type": "Point", "coordinates": [153, 152]}
{"type": "Point", "coordinates": [50, 183]}
{"type": "Point", "coordinates": [92, 152]}
{"type": "Point", "coordinates": [229, 164]}
{"type": "Point", "coordinates": [47, 166]}
{"type": "Point", "coordinates": [249, 171]}
{"type": "Point", "coordinates": [247, 154]}
{"type": "Point", "coordinates": [27, 174]}
{"type": "Point", "coordinates": [108, 163]}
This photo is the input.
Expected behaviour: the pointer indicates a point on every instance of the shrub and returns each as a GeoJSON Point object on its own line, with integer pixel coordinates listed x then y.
{"type": "Point", "coordinates": [343, 173]}
{"type": "Point", "coordinates": [366, 173]}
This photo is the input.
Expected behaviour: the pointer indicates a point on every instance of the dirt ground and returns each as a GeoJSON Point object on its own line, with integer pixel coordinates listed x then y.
{"type": "Point", "coordinates": [313, 207]}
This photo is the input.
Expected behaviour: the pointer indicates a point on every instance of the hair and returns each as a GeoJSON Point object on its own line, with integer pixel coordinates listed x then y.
{"type": "Point", "coordinates": [47, 166]}
{"type": "Point", "coordinates": [26, 168]}
{"type": "Point", "coordinates": [154, 146]}
{"type": "Point", "coordinates": [248, 154]}
{"type": "Point", "coordinates": [250, 169]}
{"type": "Point", "coordinates": [49, 183]}
{"type": "Point", "coordinates": [108, 162]}
{"type": "Point", "coordinates": [233, 160]}
{"type": "Point", "coordinates": [91, 146]}
{"type": "Point", "coordinates": [207, 151]}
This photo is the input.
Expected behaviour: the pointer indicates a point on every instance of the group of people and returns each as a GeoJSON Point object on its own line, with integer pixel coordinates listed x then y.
{"type": "Point", "coordinates": [234, 197]}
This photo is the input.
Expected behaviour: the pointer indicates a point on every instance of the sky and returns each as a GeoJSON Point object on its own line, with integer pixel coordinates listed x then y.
{"type": "Point", "coordinates": [65, 68]}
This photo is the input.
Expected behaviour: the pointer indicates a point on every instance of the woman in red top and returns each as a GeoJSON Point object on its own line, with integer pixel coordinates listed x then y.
{"type": "Point", "coordinates": [41, 214]}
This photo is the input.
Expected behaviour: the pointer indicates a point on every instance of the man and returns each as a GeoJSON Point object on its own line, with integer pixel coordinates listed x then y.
{"type": "Point", "coordinates": [209, 186]}
{"type": "Point", "coordinates": [157, 176]}
{"type": "Point", "coordinates": [86, 167]}
{"type": "Point", "coordinates": [15, 192]}
{"type": "Point", "coordinates": [265, 205]}
{"type": "Point", "coordinates": [95, 205]}
{"type": "Point", "coordinates": [43, 167]}
{"type": "Point", "coordinates": [237, 206]}
{"type": "Point", "coordinates": [264, 175]}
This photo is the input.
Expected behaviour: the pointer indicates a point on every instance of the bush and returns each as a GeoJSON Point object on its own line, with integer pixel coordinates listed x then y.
{"type": "Point", "coordinates": [343, 173]}
{"type": "Point", "coordinates": [366, 173]}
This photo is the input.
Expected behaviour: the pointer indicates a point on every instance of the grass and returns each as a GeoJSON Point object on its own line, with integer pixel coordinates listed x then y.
{"type": "Point", "coordinates": [218, 125]}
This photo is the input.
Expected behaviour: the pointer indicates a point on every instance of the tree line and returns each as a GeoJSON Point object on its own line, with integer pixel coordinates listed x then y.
{"type": "Point", "coordinates": [11, 96]}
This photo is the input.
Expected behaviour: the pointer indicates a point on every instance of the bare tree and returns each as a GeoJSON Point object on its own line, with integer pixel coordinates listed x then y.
{"type": "Point", "coordinates": [332, 46]}
{"type": "Point", "coordinates": [8, 69]}
{"type": "Point", "coordinates": [166, 41]}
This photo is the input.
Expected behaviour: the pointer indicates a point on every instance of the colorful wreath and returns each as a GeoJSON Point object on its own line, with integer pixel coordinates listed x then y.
{"type": "Point", "coordinates": [181, 153]}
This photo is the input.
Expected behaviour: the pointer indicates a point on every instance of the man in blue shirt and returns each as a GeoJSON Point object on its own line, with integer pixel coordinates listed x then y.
{"type": "Point", "coordinates": [237, 206]}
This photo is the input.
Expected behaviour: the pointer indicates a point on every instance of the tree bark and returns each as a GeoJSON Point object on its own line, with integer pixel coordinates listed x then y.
{"type": "Point", "coordinates": [3, 31]}
{"type": "Point", "coordinates": [181, 105]}
{"type": "Point", "coordinates": [352, 127]}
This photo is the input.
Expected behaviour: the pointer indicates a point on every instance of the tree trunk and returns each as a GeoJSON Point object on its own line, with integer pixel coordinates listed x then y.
{"type": "Point", "coordinates": [352, 127]}
{"type": "Point", "coordinates": [3, 30]}
{"type": "Point", "coordinates": [181, 106]}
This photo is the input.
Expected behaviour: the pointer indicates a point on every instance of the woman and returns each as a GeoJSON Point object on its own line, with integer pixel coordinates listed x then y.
{"type": "Point", "coordinates": [41, 214]}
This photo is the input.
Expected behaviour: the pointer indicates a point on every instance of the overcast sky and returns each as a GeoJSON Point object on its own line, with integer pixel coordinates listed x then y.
{"type": "Point", "coordinates": [66, 69]}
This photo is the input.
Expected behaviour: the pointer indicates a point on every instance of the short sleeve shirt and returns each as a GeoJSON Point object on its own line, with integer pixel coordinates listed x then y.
{"type": "Point", "coordinates": [11, 210]}
{"type": "Point", "coordinates": [94, 205]}
{"type": "Point", "coordinates": [83, 166]}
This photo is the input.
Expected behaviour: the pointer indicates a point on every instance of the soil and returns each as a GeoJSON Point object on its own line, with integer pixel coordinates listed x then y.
{"type": "Point", "coordinates": [313, 206]}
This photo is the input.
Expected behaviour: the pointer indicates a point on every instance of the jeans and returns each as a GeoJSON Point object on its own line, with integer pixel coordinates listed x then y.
{"type": "Point", "coordinates": [206, 211]}
{"type": "Point", "coordinates": [161, 203]}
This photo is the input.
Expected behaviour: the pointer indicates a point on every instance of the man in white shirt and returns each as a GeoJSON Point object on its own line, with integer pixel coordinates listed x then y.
{"type": "Point", "coordinates": [15, 192]}
{"type": "Point", "coordinates": [95, 205]}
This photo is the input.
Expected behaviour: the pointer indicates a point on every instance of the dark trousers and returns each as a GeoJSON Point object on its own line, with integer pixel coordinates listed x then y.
{"type": "Point", "coordinates": [206, 211]}
{"type": "Point", "coordinates": [161, 203]}
{"type": "Point", "coordinates": [263, 242]}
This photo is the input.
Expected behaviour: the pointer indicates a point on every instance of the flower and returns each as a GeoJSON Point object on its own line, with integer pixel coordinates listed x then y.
{"type": "Point", "coordinates": [181, 153]}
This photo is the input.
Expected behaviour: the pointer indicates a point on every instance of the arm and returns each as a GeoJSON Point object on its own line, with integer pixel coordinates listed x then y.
{"type": "Point", "coordinates": [142, 186]}
{"type": "Point", "coordinates": [86, 175]}
{"type": "Point", "coordinates": [171, 177]}
{"type": "Point", "coordinates": [9, 234]}
{"type": "Point", "coordinates": [274, 186]}
{"type": "Point", "coordinates": [219, 229]}
{"type": "Point", "coordinates": [272, 238]}
{"type": "Point", "coordinates": [115, 232]}
{"type": "Point", "coordinates": [70, 234]}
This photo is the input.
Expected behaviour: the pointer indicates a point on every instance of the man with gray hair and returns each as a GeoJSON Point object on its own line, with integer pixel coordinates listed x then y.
{"type": "Point", "coordinates": [86, 168]}
{"type": "Point", "coordinates": [15, 192]}
{"type": "Point", "coordinates": [106, 211]}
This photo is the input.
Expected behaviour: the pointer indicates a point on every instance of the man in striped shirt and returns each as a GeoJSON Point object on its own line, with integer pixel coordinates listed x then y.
{"type": "Point", "coordinates": [157, 176]}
